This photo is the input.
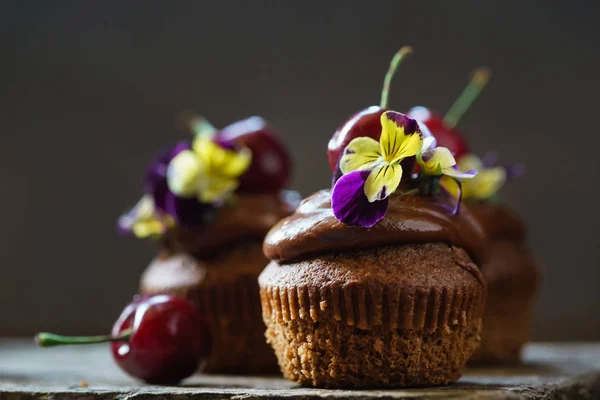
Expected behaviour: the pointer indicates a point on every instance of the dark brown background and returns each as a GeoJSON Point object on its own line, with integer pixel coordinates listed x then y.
{"type": "Point", "coordinates": [90, 90]}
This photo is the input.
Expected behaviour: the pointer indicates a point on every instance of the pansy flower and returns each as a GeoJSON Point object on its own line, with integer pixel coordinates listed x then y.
{"type": "Point", "coordinates": [185, 184]}
{"type": "Point", "coordinates": [144, 221]}
{"type": "Point", "coordinates": [372, 170]}
{"type": "Point", "coordinates": [489, 180]}
{"type": "Point", "coordinates": [187, 211]}
{"type": "Point", "coordinates": [207, 172]}
{"type": "Point", "coordinates": [437, 162]}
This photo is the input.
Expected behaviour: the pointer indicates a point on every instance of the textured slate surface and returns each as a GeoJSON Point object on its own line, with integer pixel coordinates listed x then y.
{"type": "Point", "coordinates": [550, 371]}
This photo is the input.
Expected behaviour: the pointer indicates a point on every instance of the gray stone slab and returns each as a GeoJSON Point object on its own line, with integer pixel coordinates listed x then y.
{"type": "Point", "coordinates": [550, 371]}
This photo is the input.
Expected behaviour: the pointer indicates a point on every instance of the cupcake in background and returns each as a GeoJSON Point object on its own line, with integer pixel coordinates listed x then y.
{"type": "Point", "coordinates": [511, 274]}
{"type": "Point", "coordinates": [209, 202]}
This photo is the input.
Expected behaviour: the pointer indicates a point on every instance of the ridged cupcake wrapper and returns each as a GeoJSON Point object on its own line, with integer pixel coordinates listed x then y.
{"type": "Point", "coordinates": [367, 306]}
{"type": "Point", "coordinates": [237, 300]}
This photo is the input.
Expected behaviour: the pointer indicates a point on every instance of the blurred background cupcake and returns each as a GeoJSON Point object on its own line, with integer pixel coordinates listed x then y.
{"type": "Point", "coordinates": [209, 202]}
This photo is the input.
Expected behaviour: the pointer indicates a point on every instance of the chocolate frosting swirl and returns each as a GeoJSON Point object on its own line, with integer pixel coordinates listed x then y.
{"type": "Point", "coordinates": [313, 229]}
{"type": "Point", "coordinates": [250, 217]}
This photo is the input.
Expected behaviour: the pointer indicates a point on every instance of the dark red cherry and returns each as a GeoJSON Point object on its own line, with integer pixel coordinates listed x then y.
{"type": "Point", "coordinates": [444, 135]}
{"type": "Point", "coordinates": [169, 338]}
{"type": "Point", "coordinates": [159, 339]}
{"type": "Point", "coordinates": [271, 164]}
{"type": "Point", "coordinates": [364, 123]}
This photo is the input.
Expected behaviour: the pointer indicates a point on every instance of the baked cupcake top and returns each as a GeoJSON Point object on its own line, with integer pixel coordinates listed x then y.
{"type": "Point", "coordinates": [217, 188]}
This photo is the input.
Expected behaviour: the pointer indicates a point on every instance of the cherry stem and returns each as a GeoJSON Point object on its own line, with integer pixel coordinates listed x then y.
{"type": "Point", "coordinates": [45, 339]}
{"type": "Point", "coordinates": [396, 60]}
{"type": "Point", "coordinates": [481, 76]}
{"type": "Point", "coordinates": [198, 124]}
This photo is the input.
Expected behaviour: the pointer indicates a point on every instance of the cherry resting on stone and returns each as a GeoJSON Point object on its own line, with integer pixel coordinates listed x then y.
{"type": "Point", "coordinates": [443, 129]}
{"type": "Point", "coordinates": [159, 339]}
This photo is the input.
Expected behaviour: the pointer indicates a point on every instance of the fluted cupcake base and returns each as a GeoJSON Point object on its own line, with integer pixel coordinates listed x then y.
{"type": "Point", "coordinates": [512, 279]}
{"type": "Point", "coordinates": [225, 289]}
{"type": "Point", "coordinates": [393, 316]}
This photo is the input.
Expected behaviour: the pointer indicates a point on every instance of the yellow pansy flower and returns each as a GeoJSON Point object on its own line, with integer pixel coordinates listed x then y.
{"type": "Point", "coordinates": [144, 221]}
{"type": "Point", "coordinates": [440, 161]}
{"type": "Point", "coordinates": [400, 138]}
{"type": "Point", "coordinates": [208, 171]}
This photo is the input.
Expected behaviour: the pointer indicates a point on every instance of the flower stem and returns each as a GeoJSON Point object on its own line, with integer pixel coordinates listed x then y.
{"type": "Point", "coordinates": [198, 124]}
{"type": "Point", "coordinates": [45, 339]}
{"type": "Point", "coordinates": [481, 76]}
{"type": "Point", "coordinates": [396, 60]}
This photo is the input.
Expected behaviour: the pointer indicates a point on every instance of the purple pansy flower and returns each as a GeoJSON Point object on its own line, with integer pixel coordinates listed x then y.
{"type": "Point", "coordinates": [350, 204]}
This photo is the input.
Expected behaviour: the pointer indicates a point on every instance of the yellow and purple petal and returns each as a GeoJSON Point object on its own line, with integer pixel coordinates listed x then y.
{"type": "Point", "coordinates": [401, 136]}
{"type": "Point", "coordinates": [216, 189]}
{"type": "Point", "coordinates": [184, 174]}
{"type": "Point", "coordinates": [189, 211]}
{"type": "Point", "coordinates": [435, 161]}
{"type": "Point", "coordinates": [456, 173]}
{"type": "Point", "coordinates": [222, 161]}
{"type": "Point", "coordinates": [361, 153]}
{"type": "Point", "coordinates": [156, 175]}
{"type": "Point", "coordinates": [143, 220]}
{"type": "Point", "coordinates": [351, 206]}
{"type": "Point", "coordinates": [383, 180]}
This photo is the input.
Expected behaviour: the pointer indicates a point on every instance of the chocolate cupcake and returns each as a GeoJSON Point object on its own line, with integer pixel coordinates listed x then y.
{"type": "Point", "coordinates": [511, 274]}
{"type": "Point", "coordinates": [375, 283]}
{"type": "Point", "coordinates": [210, 202]}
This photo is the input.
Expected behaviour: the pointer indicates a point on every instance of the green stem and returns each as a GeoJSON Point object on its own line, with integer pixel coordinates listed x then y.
{"type": "Point", "coordinates": [396, 60]}
{"type": "Point", "coordinates": [481, 76]}
{"type": "Point", "coordinates": [45, 339]}
{"type": "Point", "coordinates": [198, 124]}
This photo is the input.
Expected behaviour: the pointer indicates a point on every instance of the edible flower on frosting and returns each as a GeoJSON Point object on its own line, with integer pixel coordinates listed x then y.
{"type": "Point", "coordinates": [144, 221]}
{"type": "Point", "coordinates": [439, 161]}
{"type": "Point", "coordinates": [372, 170]}
{"type": "Point", "coordinates": [185, 185]}
{"type": "Point", "coordinates": [207, 171]}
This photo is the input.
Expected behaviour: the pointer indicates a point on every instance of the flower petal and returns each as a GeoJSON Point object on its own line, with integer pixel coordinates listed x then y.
{"type": "Point", "coordinates": [189, 212]}
{"type": "Point", "coordinates": [444, 157]}
{"type": "Point", "coordinates": [221, 161]}
{"type": "Point", "coordinates": [456, 173]}
{"type": "Point", "coordinates": [383, 181]}
{"type": "Point", "coordinates": [401, 136]}
{"type": "Point", "coordinates": [143, 220]}
{"type": "Point", "coordinates": [485, 184]}
{"type": "Point", "coordinates": [184, 173]}
{"type": "Point", "coordinates": [217, 189]}
{"type": "Point", "coordinates": [350, 204]}
{"type": "Point", "coordinates": [360, 153]}
{"type": "Point", "coordinates": [428, 142]}
{"type": "Point", "coordinates": [470, 161]}
{"type": "Point", "coordinates": [156, 175]}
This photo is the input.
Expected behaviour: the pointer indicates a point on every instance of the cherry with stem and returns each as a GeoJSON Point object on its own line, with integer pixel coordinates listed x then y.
{"type": "Point", "coordinates": [158, 339]}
